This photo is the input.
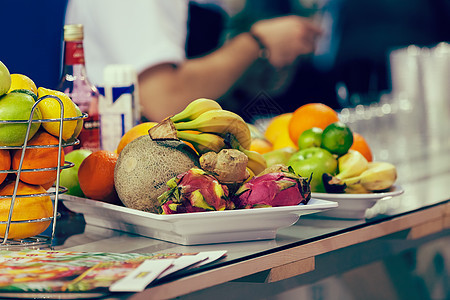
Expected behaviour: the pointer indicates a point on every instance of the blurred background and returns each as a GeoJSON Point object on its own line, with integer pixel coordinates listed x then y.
{"type": "Point", "coordinates": [375, 59]}
{"type": "Point", "coordinates": [350, 67]}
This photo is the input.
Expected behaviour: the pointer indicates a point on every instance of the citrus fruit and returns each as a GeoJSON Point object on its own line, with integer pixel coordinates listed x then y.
{"type": "Point", "coordinates": [284, 140]}
{"type": "Point", "coordinates": [5, 79]}
{"type": "Point", "coordinates": [337, 138]}
{"type": "Point", "coordinates": [260, 145]}
{"type": "Point", "coordinates": [25, 208]}
{"type": "Point", "coordinates": [133, 133]}
{"type": "Point", "coordinates": [277, 125]}
{"type": "Point", "coordinates": [308, 116]}
{"type": "Point", "coordinates": [22, 82]}
{"type": "Point", "coordinates": [5, 163]}
{"type": "Point", "coordinates": [17, 106]}
{"type": "Point", "coordinates": [79, 126]}
{"type": "Point", "coordinates": [310, 138]}
{"type": "Point", "coordinates": [69, 177]}
{"type": "Point", "coordinates": [96, 176]}
{"type": "Point", "coordinates": [36, 158]}
{"type": "Point", "coordinates": [361, 145]}
{"type": "Point", "coordinates": [28, 92]}
{"type": "Point", "coordinates": [51, 109]}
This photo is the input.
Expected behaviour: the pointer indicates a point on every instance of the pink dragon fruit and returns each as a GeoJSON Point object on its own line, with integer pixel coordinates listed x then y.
{"type": "Point", "coordinates": [194, 191]}
{"type": "Point", "coordinates": [273, 189]}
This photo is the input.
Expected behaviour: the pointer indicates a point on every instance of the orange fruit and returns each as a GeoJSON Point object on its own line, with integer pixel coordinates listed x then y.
{"type": "Point", "coordinates": [5, 163]}
{"type": "Point", "coordinates": [260, 145]}
{"type": "Point", "coordinates": [96, 176]}
{"type": "Point", "coordinates": [277, 125]}
{"type": "Point", "coordinates": [36, 158]}
{"type": "Point", "coordinates": [308, 116]}
{"type": "Point", "coordinates": [133, 133]}
{"type": "Point", "coordinates": [361, 145]}
{"type": "Point", "coordinates": [26, 208]}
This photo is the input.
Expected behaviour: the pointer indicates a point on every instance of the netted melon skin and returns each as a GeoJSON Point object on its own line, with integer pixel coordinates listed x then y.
{"type": "Point", "coordinates": [143, 168]}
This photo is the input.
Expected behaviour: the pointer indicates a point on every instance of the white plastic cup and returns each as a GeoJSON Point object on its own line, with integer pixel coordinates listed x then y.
{"type": "Point", "coordinates": [119, 106]}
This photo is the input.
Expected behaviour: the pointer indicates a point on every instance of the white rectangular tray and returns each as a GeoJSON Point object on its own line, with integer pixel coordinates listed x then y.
{"type": "Point", "coordinates": [195, 228]}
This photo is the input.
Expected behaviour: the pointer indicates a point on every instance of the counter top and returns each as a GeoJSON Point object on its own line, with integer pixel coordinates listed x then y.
{"type": "Point", "coordinates": [422, 210]}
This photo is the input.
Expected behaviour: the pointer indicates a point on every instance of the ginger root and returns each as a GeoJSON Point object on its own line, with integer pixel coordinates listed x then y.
{"type": "Point", "coordinates": [228, 166]}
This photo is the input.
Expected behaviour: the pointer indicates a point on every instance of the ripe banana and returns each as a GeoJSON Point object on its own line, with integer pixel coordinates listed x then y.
{"type": "Point", "coordinates": [203, 142]}
{"type": "Point", "coordinates": [256, 162]}
{"type": "Point", "coordinates": [195, 109]}
{"type": "Point", "coordinates": [378, 176]}
{"type": "Point", "coordinates": [351, 164]}
{"type": "Point", "coordinates": [220, 122]}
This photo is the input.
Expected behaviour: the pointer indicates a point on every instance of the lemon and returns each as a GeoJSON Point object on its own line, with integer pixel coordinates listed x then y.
{"type": "Point", "coordinates": [22, 82]}
{"type": "Point", "coordinates": [283, 140]}
{"type": "Point", "coordinates": [51, 109]}
{"type": "Point", "coordinates": [79, 127]}
{"type": "Point", "coordinates": [17, 106]}
{"type": "Point", "coordinates": [5, 79]}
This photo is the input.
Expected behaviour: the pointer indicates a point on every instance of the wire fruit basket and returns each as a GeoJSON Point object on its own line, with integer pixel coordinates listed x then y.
{"type": "Point", "coordinates": [53, 192]}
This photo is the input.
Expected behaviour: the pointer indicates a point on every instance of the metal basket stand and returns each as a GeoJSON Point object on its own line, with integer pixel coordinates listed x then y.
{"type": "Point", "coordinates": [39, 240]}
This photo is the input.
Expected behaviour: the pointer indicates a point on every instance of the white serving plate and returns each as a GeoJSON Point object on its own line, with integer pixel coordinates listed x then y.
{"type": "Point", "coordinates": [195, 228]}
{"type": "Point", "coordinates": [353, 206]}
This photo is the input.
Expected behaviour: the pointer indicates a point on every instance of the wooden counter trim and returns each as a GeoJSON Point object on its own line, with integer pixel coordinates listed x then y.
{"type": "Point", "coordinates": [301, 256]}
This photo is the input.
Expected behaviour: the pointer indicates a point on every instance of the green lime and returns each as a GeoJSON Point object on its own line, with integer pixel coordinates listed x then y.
{"type": "Point", "coordinates": [337, 138]}
{"type": "Point", "coordinates": [310, 138]}
{"type": "Point", "coordinates": [26, 92]}
{"type": "Point", "coordinates": [17, 106]}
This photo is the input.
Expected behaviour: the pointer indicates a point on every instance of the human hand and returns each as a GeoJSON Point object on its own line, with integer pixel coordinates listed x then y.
{"type": "Point", "coordinates": [286, 38]}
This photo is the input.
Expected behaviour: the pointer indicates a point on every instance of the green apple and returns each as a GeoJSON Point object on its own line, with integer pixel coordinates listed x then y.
{"type": "Point", "coordinates": [310, 138]}
{"type": "Point", "coordinates": [5, 79]}
{"type": "Point", "coordinates": [69, 177]}
{"type": "Point", "coordinates": [315, 161]}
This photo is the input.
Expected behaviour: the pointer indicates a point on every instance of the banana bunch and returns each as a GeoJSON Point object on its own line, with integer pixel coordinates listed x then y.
{"type": "Point", "coordinates": [357, 175]}
{"type": "Point", "coordinates": [208, 127]}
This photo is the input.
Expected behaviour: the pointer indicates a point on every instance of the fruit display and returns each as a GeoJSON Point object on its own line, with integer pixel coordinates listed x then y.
{"type": "Point", "coordinates": [337, 159]}
{"type": "Point", "coordinates": [30, 129]}
{"type": "Point", "coordinates": [196, 161]}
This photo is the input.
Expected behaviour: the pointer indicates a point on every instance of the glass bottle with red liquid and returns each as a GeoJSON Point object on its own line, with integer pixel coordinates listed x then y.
{"type": "Point", "coordinates": [76, 85]}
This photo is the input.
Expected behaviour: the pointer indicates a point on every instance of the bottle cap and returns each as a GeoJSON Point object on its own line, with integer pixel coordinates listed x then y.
{"type": "Point", "coordinates": [73, 32]}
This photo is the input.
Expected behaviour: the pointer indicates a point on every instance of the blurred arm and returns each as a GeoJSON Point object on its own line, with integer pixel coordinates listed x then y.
{"type": "Point", "coordinates": [166, 89]}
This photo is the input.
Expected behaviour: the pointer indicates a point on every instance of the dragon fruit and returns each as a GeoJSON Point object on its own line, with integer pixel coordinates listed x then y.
{"type": "Point", "coordinates": [273, 189]}
{"type": "Point", "coordinates": [194, 191]}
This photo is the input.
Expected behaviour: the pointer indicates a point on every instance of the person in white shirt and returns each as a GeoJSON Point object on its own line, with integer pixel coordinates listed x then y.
{"type": "Point", "coordinates": [151, 35]}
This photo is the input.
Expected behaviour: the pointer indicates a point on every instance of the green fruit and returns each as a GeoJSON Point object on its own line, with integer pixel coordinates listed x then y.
{"type": "Point", "coordinates": [315, 161]}
{"type": "Point", "coordinates": [69, 177]}
{"type": "Point", "coordinates": [278, 156]}
{"type": "Point", "coordinates": [17, 106]}
{"type": "Point", "coordinates": [26, 92]}
{"type": "Point", "coordinates": [5, 79]}
{"type": "Point", "coordinates": [337, 138]}
{"type": "Point", "coordinates": [310, 138]}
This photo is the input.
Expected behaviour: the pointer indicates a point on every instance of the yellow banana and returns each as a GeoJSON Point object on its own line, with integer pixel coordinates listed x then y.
{"type": "Point", "coordinates": [202, 142]}
{"type": "Point", "coordinates": [195, 109]}
{"type": "Point", "coordinates": [220, 122]}
{"type": "Point", "coordinates": [351, 164]}
{"type": "Point", "coordinates": [256, 162]}
{"type": "Point", "coordinates": [379, 176]}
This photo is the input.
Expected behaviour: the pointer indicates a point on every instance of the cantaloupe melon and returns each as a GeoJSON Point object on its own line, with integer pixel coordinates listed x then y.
{"type": "Point", "coordinates": [144, 166]}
